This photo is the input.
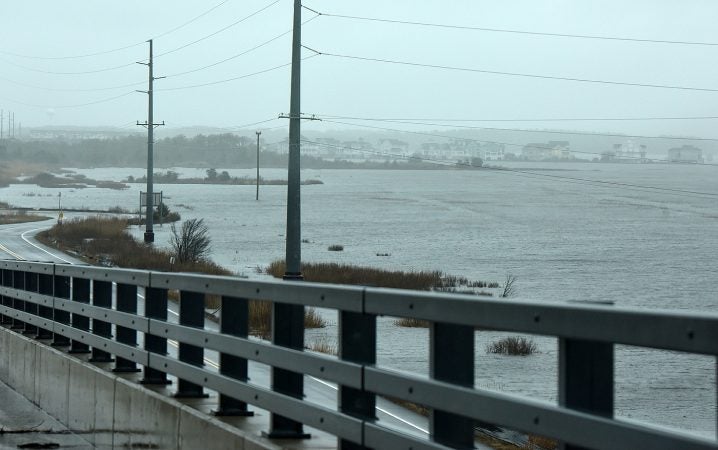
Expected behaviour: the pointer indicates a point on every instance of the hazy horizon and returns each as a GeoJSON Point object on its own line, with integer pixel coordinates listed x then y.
{"type": "Point", "coordinates": [46, 92]}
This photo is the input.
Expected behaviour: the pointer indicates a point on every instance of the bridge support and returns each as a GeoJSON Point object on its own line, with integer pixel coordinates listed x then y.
{"type": "Point", "coordinates": [234, 322]}
{"type": "Point", "coordinates": [155, 308]}
{"type": "Point", "coordinates": [101, 297]}
{"type": "Point", "coordinates": [126, 302]}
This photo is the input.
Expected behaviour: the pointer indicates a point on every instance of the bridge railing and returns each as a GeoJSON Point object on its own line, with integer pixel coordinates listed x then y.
{"type": "Point", "coordinates": [94, 309]}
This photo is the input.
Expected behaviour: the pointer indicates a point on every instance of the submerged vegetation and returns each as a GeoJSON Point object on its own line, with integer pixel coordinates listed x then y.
{"type": "Point", "coordinates": [513, 346]}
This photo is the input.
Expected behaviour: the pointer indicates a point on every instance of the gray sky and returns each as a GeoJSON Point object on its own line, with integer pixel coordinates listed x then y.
{"type": "Point", "coordinates": [358, 88]}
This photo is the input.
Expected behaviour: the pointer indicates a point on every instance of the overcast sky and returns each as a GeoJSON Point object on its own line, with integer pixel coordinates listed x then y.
{"type": "Point", "coordinates": [346, 87]}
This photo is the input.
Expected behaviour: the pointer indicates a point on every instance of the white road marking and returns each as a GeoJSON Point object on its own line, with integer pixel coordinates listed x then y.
{"type": "Point", "coordinates": [40, 248]}
{"type": "Point", "coordinates": [378, 409]}
{"type": "Point", "coordinates": [206, 360]}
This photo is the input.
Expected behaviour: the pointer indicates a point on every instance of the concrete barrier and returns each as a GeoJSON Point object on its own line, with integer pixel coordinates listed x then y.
{"type": "Point", "coordinates": [110, 411]}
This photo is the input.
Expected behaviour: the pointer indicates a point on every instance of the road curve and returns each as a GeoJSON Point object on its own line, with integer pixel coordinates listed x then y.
{"type": "Point", "coordinates": [17, 242]}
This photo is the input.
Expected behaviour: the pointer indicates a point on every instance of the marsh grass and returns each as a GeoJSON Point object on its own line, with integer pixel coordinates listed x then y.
{"type": "Point", "coordinates": [513, 346]}
{"type": "Point", "coordinates": [324, 345]}
{"type": "Point", "coordinates": [20, 217]}
{"type": "Point", "coordinates": [540, 443]}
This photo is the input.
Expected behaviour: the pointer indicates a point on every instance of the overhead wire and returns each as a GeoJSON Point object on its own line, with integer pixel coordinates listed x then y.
{"type": "Point", "coordinates": [602, 183]}
{"type": "Point", "coordinates": [227, 80]}
{"type": "Point", "coordinates": [256, 47]}
{"type": "Point", "coordinates": [132, 63]}
{"type": "Point", "coordinates": [114, 50]}
{"type": "Point", "coordinates": [511, 74]}
{"type": "Point", "coordinates": [78, 105]}
{"type": "Point", "coordinates": [511, 31]}
{"type": "Point", "coordinates": [519, 130]}
{"type": "Point", "coordinates": [550, 119]}
{"type": "Point", "coordinates": [233, 24]}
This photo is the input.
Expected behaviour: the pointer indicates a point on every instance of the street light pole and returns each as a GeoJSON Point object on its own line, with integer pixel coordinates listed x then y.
{"type": "Point", "coordinates": [258, 133]}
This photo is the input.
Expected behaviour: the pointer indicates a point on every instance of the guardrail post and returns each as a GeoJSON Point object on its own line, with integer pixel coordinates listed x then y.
{"type": "Point", "coordinates": [80, 294]}
{"type": "Point", "coordinates": [234, 322]}
{"type": "Point", "coordinates": [101, 297]}
{"type": "Point", "coordinates": [287, 331]}
{"type": "Point", "coordinates": [191, 314]}
{"type": "Point", "coordinates": [6, 301]}
{"type": "Point", "coordinates": [62, 290]}
{"type": "Point", "coordinates": [45, 286]}
{"type": "Point", "coordinates": [126, 302]}
{"type": "Point", "coordinates": [18, 282]}
{"type": "Point", "coordinates": [357, 343]}
{"type": "Point", "coordinates": [30, 308]}
{"type": "Point", "coordinates": [155, 309]}
{"type": "Point", "coordinates": [585, 378]}
{"type": "Point", "coordinates": [451, 359]}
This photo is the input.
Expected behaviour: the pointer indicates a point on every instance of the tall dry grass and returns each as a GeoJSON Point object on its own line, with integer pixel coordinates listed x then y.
{"type": "Point", "coordinates": [105, 241]}
{"type": "Point", "coordinates": [366, 276]}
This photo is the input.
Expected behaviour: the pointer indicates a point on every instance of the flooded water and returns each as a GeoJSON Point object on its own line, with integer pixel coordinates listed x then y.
{"type": "Point", "coordinates": [564, 240]}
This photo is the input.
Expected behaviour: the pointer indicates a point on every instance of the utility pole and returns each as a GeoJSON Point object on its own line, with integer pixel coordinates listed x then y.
{"type": "Point", "coordinates": [258, 133]}
{"type": "Point", "coordinates": [288, 319]}
{"type": "Point", "coordinates": [149, 232]}
{"type": "Point", "coordinates": [2, 122]}
{"type": "Point", "coordinates": [13, 126]}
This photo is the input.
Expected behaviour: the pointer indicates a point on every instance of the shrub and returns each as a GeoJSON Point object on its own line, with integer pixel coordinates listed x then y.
{"type": "Point", "coordinates": [411, 323]}
{"type": "Point", "coordinates": [335, 248]}
{"type": "Point", "coordinates": [192, 242]}
{"type": "Point", "coordinates": [509, 288]}
{"type": "Point", "coordinates": [514, 346]}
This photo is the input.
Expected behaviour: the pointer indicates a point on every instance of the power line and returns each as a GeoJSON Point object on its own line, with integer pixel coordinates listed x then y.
{"type": "Point", "coordinates": [520, 130]}
{"type": "Point", "coordinates": [220, 30]}
{"type": "Point", "coordinates": [121, 66]}
{"type": "Point", "coordinates": [420, 133]}
{"type": "Point", "coordinates": [511, 31]}
{"type": "Point", "coordinates": [108, 88]}
{"type": "Point", "coordinates": [512, 74]}
{"type": "Point", "coordinates": [575, 180]}
{"type": "Point", "coordinates": [256, 47]}
{"type": "Point", "coordinates": [194, 19]}
{"type": "Point", "coordinates": [81, 72]}
{"type": "Point", "coordinates": [551, 119]}
{"type": "Point", "coordinates": [114, 50]}
{"type": "Point", "coordinates": [227, 80]}
{"type": "Point", "coordinates": [78, 105]}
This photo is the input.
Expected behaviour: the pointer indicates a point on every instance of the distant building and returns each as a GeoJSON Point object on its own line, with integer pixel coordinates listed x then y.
{"type": "Point", "coordinates": [394, 146]}
{"type": "Point", "coordinates": [686, 153]}
{"type": "Point", "coordinates": [628, 151]}
{"type": "Point", "coordinates": [552, 150]}
{"type": "Point", "coordinates": [492, 152]}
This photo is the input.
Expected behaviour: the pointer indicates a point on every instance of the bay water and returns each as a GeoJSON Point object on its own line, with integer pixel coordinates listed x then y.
{"type": "Point", "coordinates": [565, 238]}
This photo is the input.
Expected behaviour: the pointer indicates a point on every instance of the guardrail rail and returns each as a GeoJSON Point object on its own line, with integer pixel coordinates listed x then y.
{"type": "Point", "coordinates": [94, 309]}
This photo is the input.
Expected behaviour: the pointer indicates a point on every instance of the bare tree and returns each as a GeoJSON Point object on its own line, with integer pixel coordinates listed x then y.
{"type": "Point", "coordinates": [192, 242]}
{"type": "Point", "coordinates": [509, 288]}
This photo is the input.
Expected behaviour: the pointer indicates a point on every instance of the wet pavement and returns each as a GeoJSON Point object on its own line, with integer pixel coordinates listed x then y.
{"type": "Point", "coordinates": [24, 425]}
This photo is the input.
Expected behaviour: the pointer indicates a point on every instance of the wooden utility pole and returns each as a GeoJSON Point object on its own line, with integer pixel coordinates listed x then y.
{"type": "Point", "coordinates": [258, 133]}
{"type": "Point", "coordinates": [149, 232]}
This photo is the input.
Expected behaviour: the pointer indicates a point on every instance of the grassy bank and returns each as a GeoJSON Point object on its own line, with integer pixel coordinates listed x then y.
{"type": "Point", "coordinates": [105, 241]}
{"type": "Point", "coordinates": [19, 217]}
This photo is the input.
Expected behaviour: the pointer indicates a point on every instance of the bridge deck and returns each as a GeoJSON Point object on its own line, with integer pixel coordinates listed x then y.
{"type": "Point", "coordinates": [22, 423]}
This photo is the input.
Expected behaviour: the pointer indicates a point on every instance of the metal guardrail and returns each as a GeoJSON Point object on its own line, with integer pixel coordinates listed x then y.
{"type": "Point", "coordinates": [76, 306]}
